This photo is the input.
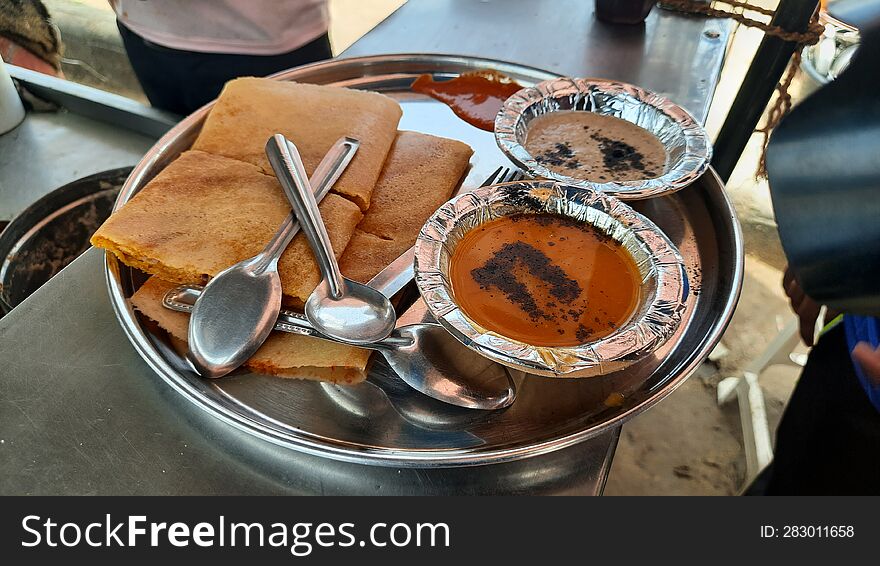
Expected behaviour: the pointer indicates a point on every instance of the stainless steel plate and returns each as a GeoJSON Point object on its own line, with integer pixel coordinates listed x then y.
{"type": "Point", "coordinates": [392, 425]}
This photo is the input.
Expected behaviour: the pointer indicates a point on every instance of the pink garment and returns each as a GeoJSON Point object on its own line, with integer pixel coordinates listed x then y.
{"type": "Point", "coordinates": [251, 27]}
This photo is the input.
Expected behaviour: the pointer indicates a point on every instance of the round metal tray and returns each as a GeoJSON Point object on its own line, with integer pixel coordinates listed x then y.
{"type": "Point", "coordinates": [381, 422]}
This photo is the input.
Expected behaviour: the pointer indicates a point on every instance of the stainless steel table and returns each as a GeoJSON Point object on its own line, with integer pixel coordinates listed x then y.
{"type": "Point", "coordinates": [93, 131]}
{"type": "Point", "coordinates": [674, 55]}
{"type": "Point", "coordinates": [80, 412]}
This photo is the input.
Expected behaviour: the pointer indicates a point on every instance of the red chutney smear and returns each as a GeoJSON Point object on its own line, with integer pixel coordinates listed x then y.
{"type": "Point", "coordinates": [476, 97]}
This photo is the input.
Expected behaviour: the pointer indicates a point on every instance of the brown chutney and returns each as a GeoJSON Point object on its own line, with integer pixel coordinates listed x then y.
{"type": "Point", "coordinates": [594, 147]}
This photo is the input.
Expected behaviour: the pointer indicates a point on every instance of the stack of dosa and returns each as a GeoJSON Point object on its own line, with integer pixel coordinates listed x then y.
{"type": "Point", "coordinates": [215, 206]}
{"type": "Point", "coordinates": [205, 212]}
{"type": "Point", "coordinates": [249, 111]}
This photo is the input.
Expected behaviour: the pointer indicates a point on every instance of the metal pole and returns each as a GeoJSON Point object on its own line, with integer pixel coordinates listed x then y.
{"type": "Point", "coordinates": [757, 87]}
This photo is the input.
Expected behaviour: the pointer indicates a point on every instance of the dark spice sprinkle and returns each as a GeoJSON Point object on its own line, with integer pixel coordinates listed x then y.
{"type": "Point", "coordinates": [558, 156]}
{"type": "Point", "coordinates": [582, 333]}
{"type": "Point", "coordinates": [547, 219]}
{"type": "Point", "coordinates": [619, 156]}
{"type": "Point", "coordinates": [564, 149]}
{"type": "Point", "coordinates": [498, 271]}
{"type": "Point", "coordinates": [520, 195]}
{"type": "Point", "coordinates": [551, 244]}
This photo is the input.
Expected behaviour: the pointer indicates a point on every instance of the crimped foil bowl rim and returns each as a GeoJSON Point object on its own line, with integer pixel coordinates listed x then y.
{"type": "Point", "coordinates": [672, 285]}
{"type": "Point", "coordinates": [697, 144]}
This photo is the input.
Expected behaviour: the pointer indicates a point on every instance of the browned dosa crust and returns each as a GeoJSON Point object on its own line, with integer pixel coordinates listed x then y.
{"type": "Point", "coordinates": [205, 212]}
{"type": "Point", "coordinates": [421, 173]}
{"type": "Point", "coordinates": [250, 110]}
{"type": "Point", "coordinates": [285, 355]}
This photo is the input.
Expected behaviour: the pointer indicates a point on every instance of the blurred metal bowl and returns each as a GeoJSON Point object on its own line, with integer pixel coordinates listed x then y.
{"type": "Point", "coordinates": [52, 232]}
{"type": "Point", "coordinates": [664, 281]}
{"type": "Point", "coordinates": [688, 150]}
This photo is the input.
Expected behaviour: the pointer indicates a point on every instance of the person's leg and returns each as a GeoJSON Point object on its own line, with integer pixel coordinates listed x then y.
{"type": "Point", "coordinates": [213, 70]}
{"type": "Point", "coordinates": [182, 81]}
{"type": "Point", "coordinates": [162, 72]}
{"type": "Point", "coordinates": [828, 441]}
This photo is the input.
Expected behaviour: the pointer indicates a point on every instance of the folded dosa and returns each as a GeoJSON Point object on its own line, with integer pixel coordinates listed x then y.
{"type": "Point", "coordinates": [250, 110]}
{"type": "Point", "coordinates": [205, 212]}
{"type": "Point", "coordinates": [420, 174]}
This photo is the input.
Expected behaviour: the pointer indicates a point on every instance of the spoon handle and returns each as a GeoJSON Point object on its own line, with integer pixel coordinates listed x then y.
{"type": "Point", "coordinates": [182, 299]}
{"type": "Point", "coordinates": [323, 178]}
{"type": "Point", "coordinates": [288, 166]}
{"type": "Point", "coordinates": [296, 323]}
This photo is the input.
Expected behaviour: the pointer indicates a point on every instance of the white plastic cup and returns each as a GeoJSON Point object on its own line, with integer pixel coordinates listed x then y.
{"type": "Point", "coordinates": [11, 108]}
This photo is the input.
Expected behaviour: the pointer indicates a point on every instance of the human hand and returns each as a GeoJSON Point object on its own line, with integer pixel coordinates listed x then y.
{"type": "Point", "coordinates": [869, 359]}
{"type": "Point", "coordinates": [803, 306]}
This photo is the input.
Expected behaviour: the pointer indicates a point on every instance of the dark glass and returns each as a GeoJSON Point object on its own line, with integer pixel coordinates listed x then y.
{"type": "Point", "coordinates": [623, 11]}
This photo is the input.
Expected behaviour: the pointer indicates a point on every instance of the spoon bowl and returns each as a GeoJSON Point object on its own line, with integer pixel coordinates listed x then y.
{"type": "Point", "coordinates": [338, 307]}
{"type": "Point", "coordinates": [250, 322]}
{"type": "Point", "coordinates": [424, 355]}
{"type": "Point", "coordinates": [432, 361]}
{"type": "Point", "coordinates": [360, 315]}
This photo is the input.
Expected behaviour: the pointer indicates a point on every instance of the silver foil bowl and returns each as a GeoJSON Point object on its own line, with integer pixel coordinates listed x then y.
{"type": "Point", "coordinates": [664, 282]}
{"type": "Point", "coordinates": [688, 150]}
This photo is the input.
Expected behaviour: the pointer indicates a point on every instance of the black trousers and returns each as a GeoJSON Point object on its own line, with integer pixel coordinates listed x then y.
{"type": "Point", "coordinates": [828, 442]}
{"type": "Point", "coordinates": [182, 81]}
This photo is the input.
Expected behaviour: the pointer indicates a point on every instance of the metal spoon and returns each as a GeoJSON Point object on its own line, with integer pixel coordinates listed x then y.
{"type": "Point", "coordinates": [238, 308]}
{"type": "Point", "coordinates": [425, 356]}
{"type": "Point", "coordinates": [338, 307]}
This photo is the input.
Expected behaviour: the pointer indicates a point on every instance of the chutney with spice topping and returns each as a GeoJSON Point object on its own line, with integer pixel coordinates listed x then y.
{"type": "Point", "coordinates": [544, 279]}
{"type": "Point", "coordinates": [595, 147]}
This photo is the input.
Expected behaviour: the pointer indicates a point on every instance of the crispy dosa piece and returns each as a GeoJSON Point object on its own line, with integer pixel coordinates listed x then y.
{"type": "Point", "coordinates": [421, 173]}
{"type": "Point", "coordinates": [250, 110]}
{"type": "Point", "coordinates": [283, 354]}
{"type": "Point", "coordinates": [367, 255]}
{"type": "Point", "coordinates": [206, 212]}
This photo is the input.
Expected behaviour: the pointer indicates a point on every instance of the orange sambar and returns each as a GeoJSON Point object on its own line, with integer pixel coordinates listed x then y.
{"type": "Point", "coordinates": [544, 279]}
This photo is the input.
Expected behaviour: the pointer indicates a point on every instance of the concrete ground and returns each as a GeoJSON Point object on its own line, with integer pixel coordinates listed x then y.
{"type": "Point", "coordinates": [685, 445]}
